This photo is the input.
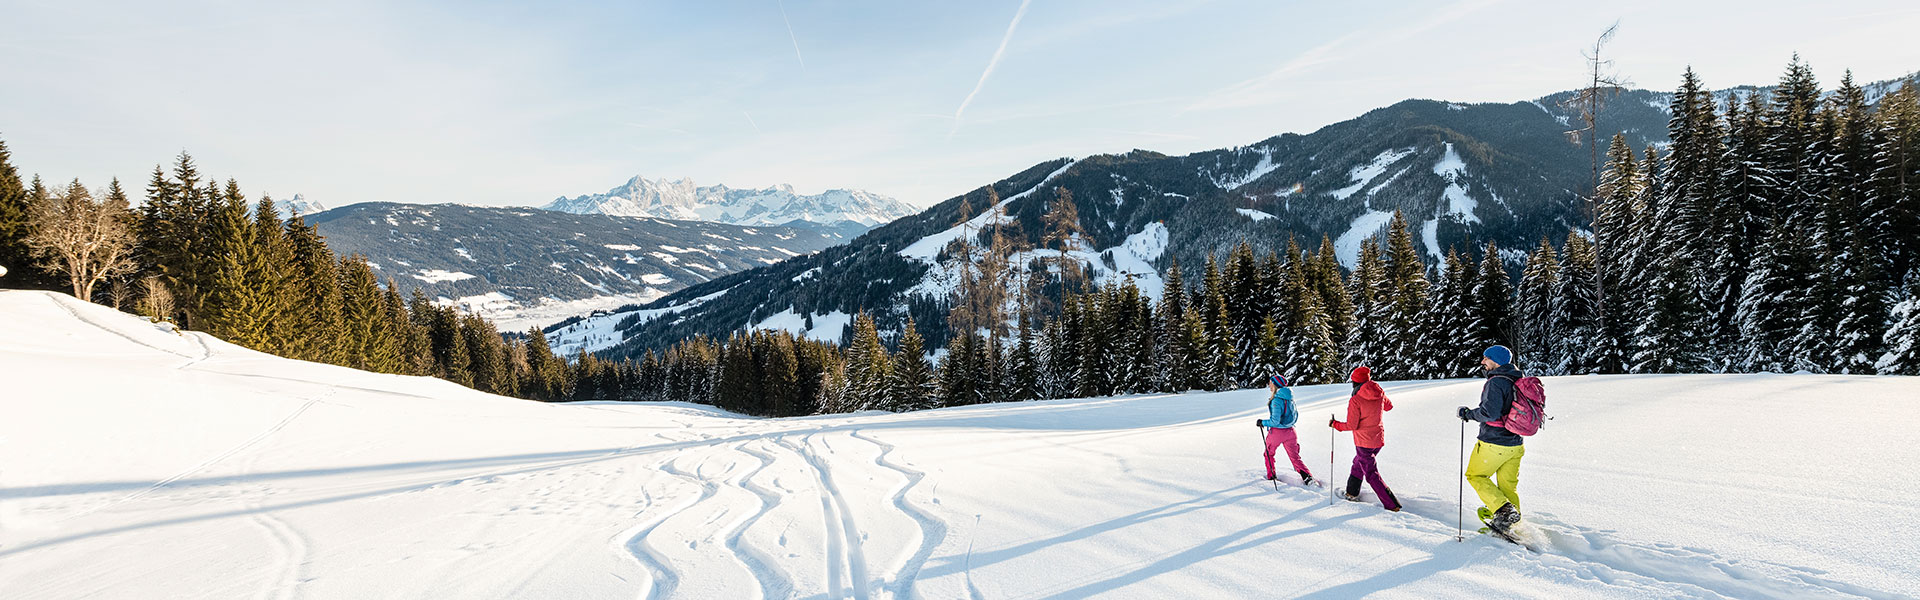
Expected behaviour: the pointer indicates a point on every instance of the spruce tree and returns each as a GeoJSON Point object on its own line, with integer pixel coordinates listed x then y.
{"type": "Point", "coordinates": [1266, 359]}
{"type": "Point", "coordinates": [1368, 338]}
{"type": "Point", "coordinates": [1176, 361]}
{"type": "Point", "coordinates": [1576, 309]}
{"type": "Point", "coordinates": [1492, 318]}
{"type": "Point", "coordinates": [780, 370]}
{"type": "Point", "coordinates": [1335, 298]}
{"type": "Point", "coordinates": [1407, 277]}
{"type": "Point", "coordinates": [15, 225]}
{"type": "Point", "coordinates": [913, 384]}
{"type": "Point", "coordinates": [364, 342]}
{"type": "Point", "coordinates": [235, 307]}
{"type": "Point", "coordinates": [1902, 339]}
{"type": "Point", "coordinates": [1023, 365]}
{"type": "Point", "coordinates": [1895, 213]}
{"type": "Point", "coordinates": [867, 367]}
{"type": "Point", "coordinates": [1535, 323]}
{"type": "Point", "coordinates": [272, 272]}
{"type": "Point", "coordinates": [1615, 221]}
{"type": "Point", "coordinates": [414, 354]}
{"type": "Point", "coordinates": [314, 324]}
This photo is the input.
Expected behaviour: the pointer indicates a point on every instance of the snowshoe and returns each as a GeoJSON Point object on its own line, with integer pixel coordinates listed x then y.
{"type": "Point", "coordinates": [1306, 479]}
{"type": "Point", "coordinates": [1501, 524]}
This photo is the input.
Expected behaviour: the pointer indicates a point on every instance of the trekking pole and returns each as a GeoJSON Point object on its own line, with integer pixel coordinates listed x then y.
{"type": "Point", "coordinates": [1332, 438]}
{"type": "Point", "coordinates": [1263, 449]}
{"type": "Point", "coordinates": [1460, 498]}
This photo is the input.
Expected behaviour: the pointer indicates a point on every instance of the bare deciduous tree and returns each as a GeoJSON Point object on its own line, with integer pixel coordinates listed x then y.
{"type": "Point", "coordinates": [86, 239]}
{"type": "Point", "coordinates": [155, 300]}
{"type": "Point", "coordinates": [1602, 84]}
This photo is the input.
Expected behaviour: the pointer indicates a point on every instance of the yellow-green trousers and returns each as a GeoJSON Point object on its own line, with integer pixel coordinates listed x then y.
{"type": "Point", "coordinates": [1494, 472]}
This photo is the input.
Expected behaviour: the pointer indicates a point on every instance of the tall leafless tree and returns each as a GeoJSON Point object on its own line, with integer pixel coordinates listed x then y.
{"type": "Point", "coordinates": [88, 240]}
{"type": "Point", "coordinates": [1602, 85]}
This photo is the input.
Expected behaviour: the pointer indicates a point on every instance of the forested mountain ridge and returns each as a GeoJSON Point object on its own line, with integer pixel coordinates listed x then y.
{"type": "Point", "coordinates": [1463, 175]}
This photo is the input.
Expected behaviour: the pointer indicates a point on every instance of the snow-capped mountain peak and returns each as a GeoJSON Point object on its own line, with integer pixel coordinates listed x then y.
{"type": "Point", "coordinates": [298, 205]}
{"type": "Point", "coordinates": [774, 205]}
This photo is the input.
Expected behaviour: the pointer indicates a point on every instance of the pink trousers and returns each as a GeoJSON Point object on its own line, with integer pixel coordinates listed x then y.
{"type": "Point", "coordinates": [1277, 437]}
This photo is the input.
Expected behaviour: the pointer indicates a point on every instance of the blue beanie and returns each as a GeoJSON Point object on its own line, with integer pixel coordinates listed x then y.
{"type": "Point", "coordinates": [1500, 355]}
{"type": "Point", "coordinates": [1278, 380]}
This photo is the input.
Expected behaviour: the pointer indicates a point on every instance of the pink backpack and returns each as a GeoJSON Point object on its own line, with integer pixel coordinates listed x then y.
{"type": "Point", "coordinates": [1529, 412]}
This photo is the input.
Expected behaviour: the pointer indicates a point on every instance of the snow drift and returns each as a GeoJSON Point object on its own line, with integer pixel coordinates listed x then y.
{"type": "Point", "coordinates": [136, 462]}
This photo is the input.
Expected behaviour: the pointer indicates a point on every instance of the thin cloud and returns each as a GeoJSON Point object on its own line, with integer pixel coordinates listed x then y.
{"type": "Point", "coordinates": [790, 36]}
{"type": "Point", "coordinates": [991, 64]}
{"type": "Point", "coordinates": [756, 126]}
{"type": "Point", "coordinates": [1263, 89]}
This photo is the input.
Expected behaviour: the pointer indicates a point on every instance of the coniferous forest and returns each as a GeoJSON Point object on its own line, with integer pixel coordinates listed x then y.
{"type": "Point", "coordinates": [1779, 231]}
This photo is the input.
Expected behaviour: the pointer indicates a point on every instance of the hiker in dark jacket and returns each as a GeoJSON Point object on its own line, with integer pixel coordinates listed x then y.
{"type": "Point", "coordinates": [1498, 451]}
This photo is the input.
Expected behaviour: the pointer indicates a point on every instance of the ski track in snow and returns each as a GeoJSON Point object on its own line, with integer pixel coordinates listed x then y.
{"type": "Point", "coordinates": [664, 577]}
{"type": "Point", "coordinates": [843, 534]}
{"type": "Point", "coordinates": [932, 529]}
{"type": "Point", "coordinates": [774, 580]}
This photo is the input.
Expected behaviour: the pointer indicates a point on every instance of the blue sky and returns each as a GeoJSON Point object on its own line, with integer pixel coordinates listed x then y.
{"type": "Point", "coordinates": [516, 103]}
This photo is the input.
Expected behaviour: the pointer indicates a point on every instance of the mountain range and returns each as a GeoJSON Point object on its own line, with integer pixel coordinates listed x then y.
{"type": "Point", "coordinates": [851, 211]}
{"type": "Point", "coordinates": [502, 261]}
{"type": "Point", "coordinates": [1462, 174]}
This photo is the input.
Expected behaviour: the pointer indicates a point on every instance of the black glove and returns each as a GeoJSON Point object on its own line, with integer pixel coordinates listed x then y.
{"type": "Point", "coordinates": [1463, 414]}
{"type": "Point", "coordinates": [1259, 422]}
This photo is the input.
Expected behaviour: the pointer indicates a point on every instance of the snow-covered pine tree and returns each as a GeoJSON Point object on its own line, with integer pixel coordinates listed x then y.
{"type": "Point", "coordinates": [1614, 222]}
{"type": "Point", "coordinates": [912, 376]}
{"type": "Point", "coordinates": [955, 374]}
{"type": "Point", "coordinates": [1093, 376]}
{"type": "Point", "coordinates": [1448, 339]}
{"type": "Point", "coordinates": [1266, 359]}
{"type": "Point", "coordinates": [867, 367]}
{"type": "Point", "coordinates": [1407, 277]}
{"type": "Point", "coordinates": [1537, 331]}
{"type": "Point", "coordinates": [1335, 299]}
{"type": "Point", "coordinates": [1368, 338]}
{"type": "Point", "coordinates": [1902, 339]}
{"type": "Point", "coordinates": [1493, 320]}
{"type": "Point", "coordinates": [1895, 214]}
{"type": "Point", "coordinates": [1023, 367]}
{"type": "Point", "coordinates": [1247, 305]}
{"type": "Point", "coordinates": [1174, 363]}
{"type": "Point", "coordinates": [1859, 267]}
{"type": "Point", "coordinates": [1218, 355]}
{"type": "Point", "coordinates": [1576, 309]}
{"type": "Point", "coordinates": [1144, 337]}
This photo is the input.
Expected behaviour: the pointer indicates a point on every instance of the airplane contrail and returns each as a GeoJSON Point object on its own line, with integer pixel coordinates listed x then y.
{"type": "Point", "coordinates": [790, 36]}
{"type": "Point", "coordinates": [991, 63]}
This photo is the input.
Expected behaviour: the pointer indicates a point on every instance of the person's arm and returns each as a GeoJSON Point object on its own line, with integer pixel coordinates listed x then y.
{"type": "Point", "coordinates": [1491, 395]}
{"type": "Point", "coordinates": [1353, 418]}
{"type": "Point", "coordinates": [1270, 421]}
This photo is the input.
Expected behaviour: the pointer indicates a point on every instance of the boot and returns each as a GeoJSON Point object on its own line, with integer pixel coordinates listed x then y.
{"type": "Point", "coordinates": [1306, 479]}
{"type": "Point", "coordinates": [1504, 519]}
{"type": "Point", "coordinates": [1391, 502]}
{"type": "Point", "coordinates": [1352, 493]}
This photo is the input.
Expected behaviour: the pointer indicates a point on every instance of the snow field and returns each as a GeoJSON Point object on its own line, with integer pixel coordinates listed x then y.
{"type": "Point", "coordinates": [198, 469]}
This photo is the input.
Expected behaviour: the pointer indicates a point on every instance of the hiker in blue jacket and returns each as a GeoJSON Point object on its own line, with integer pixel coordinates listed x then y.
{"type": "Point", "coordinates": [1281, 416]}
{"type": "Point", "coordinates": [1498, 451]}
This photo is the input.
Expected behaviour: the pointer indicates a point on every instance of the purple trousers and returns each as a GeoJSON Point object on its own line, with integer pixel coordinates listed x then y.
{"type": "Point", "coordinates": [1365, 466]}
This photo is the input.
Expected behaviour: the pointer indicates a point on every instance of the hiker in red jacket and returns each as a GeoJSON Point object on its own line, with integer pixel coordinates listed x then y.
{"type": "Point", "coordinates": [1364, 410]}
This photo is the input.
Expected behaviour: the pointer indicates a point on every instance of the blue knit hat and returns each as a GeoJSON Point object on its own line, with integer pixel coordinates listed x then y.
{"type": "Point", "coordinates": [1278, 380]}
{"type": "Point", "coordinates": [1500, 355]}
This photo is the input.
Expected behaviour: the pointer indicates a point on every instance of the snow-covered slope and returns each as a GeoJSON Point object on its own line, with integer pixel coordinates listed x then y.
{"type": "Point", "coordinates": [140, 463]}
{"type": "Point", "coordinates": [777, 205]}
